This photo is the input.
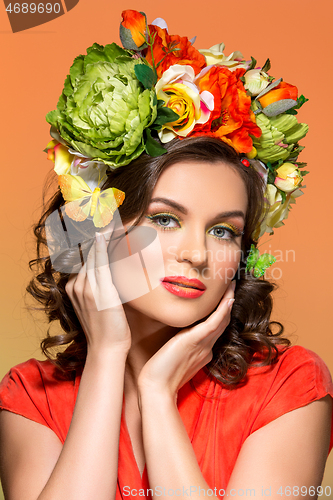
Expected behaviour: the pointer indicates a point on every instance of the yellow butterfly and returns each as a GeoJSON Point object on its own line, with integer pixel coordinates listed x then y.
{"type": "Point", "coordinates": [82, 202]}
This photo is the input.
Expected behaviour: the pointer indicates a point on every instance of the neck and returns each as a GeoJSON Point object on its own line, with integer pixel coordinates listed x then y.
{"type": "Point", "coordinates": [148, 336]}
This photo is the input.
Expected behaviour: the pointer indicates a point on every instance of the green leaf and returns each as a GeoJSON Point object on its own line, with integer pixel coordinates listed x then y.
{"type": "Point", "coordinates": [253, 63]}
{"type": "Point", "coordinates": [284, 196]}
{"type": "Point", "coordinates": [301, 164]}
{"type": "Point", "coordinates": [271, 177]}
{"type": "Point", "coordinates": [76, 68]}
{"type": "Point", "coordinates": [68, 87]}
{"type": "Point", "coordinates": [252, 258]}
{"type": "Point", "coordinates": [269, 166]}
{"type": "Point", "coordinates": [145, 75]}
{"type": "Point", "coordinates": [127, 39]}
{"type": "Point", "coordinates": [259, 263]}
{"type": "Point", "coordinates": [300, 101]}
{"type": "Point", "coordinates": [278, 107]}
{"type": "Point", "coordinates": [165, 115]}
{"type": "Point", "coordinates": [160, 103]}
{"type": "Point", "coordinates": [52, 117]}
{"type": "Point", "coordinates": [264, 262]}
{"type": "Point", "coordinates": [152, 147]}
{"type": "Point", "coordinates": [267, 66]}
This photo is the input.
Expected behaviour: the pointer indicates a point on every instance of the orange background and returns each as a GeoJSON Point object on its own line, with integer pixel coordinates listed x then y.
{"type": "Point", "coordinates": [295, 34]}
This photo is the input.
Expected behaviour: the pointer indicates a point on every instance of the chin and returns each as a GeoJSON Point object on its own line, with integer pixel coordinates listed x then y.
{"type": "Point", "coordinates": [181, 315]}
{"type": "Point", "coordinates": [167, 309]}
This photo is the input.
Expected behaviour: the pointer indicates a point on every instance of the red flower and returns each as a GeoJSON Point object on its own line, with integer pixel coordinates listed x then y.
{"type": "Point", "coordinates": [232, 120]}
{"type": "Point", "coordinates": [185, 53]}
{"type": "Point", "coordinates": [281, 91]}
{"type": "Point", "coordinates": [135, 22]}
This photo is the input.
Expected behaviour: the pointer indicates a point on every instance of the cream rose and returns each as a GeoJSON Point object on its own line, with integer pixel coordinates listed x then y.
{"type": "Point", "coordinates": [288, 177]}
{"type": "Point", "coordinates": [215, 57]}
{"type": "Point", "coordinates": [256, 81]}
{"type": "Point", "coordinates": [277, 210]}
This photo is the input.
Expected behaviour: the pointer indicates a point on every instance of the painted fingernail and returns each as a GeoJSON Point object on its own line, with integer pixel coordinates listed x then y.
{"type": "Point", "coordinates": [230, 303]}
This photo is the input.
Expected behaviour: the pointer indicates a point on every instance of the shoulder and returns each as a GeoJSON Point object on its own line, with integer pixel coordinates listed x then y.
{"type": "Point", "coordinates": [35, 390]}
{"type": "Point", "coordinates": [297, 355]}
{"type": "Point", "coordinates": [298, 378]}
{"type": "Point", "coordinates": [31, 369]}
{"type": "Point", "coordinates": [33, 376]}
{"type": "Point", "coordinates": [296, 363]}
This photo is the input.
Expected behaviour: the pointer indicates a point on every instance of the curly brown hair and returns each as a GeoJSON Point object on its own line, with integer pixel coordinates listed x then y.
{"type": "Point", "coordinates": [249, 332]}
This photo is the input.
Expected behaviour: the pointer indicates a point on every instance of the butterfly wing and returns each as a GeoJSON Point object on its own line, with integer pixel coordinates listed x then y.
{"type": "Point", "coordinates": [264, 262]}
{"type": "Point", "coordinates": [73, 187]}
{"type": "Point", "coordinates": [79, 210]}
{"type": "Point", "coordinates": [107, 203]}
{"type": "Point", "coordinates": [78, 196]}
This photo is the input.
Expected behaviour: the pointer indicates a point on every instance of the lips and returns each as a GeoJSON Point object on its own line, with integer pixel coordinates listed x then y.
{"type": "Point", "coordinates": [185, 282]}
{"type": "Point", "coordinates": [183, 287]}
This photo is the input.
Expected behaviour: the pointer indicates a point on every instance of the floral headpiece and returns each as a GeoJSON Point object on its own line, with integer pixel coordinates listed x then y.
{"type": "Point", "coordinates": [117, 102]}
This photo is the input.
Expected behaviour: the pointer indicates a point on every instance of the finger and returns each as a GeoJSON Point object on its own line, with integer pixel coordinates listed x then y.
{"type": "Point", "coordinates": [75, 283]}
{"type": "Point", "coordinates": [216, 323]}
{"type": "Point", "coordinates": [107, 231]}
{"type": "Point", "coordinates": [107, 295]}
{"type": "Point", "coordinates": [229, 293]}
{"type": "Point", "coordinates": [216, 334]}
{"type": "Point", "coordinates": [77, 277]}
{"type": "Point", "coordinates": [227, 300]}
{"type": "Point", "coordinates": [90, 275]}
{"type": "Point", "coordinates": [101, 255]}
{"type": "Point", "coordinates": [221, 315]}
{"type": "Point", "coordinates": [102, 269]}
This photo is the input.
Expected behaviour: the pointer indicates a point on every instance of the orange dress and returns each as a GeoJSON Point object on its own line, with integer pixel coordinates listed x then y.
{"type": "Point", "coordinates": [218, 420]}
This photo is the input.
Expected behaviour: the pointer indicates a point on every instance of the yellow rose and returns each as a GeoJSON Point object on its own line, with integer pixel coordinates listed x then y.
{"type": "Point", "coordinates": [288, 177]}
{"type": "Point", "coordinates": [179, 93]}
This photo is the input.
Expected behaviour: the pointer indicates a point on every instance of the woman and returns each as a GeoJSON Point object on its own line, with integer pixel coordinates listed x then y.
{"type": "Point", "coordinates": [179, 391]}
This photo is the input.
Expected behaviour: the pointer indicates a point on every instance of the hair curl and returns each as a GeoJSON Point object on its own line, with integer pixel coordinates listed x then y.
{"type": "Point", "coordinates": [249, 332]}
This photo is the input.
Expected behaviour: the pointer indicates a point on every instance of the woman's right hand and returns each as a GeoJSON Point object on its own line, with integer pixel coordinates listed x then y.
{"type": "Point", "coordinates": [96, 302]}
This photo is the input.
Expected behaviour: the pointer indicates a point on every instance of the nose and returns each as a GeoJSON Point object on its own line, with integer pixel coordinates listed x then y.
{"type": "Point", "coordinates": [192, 247]}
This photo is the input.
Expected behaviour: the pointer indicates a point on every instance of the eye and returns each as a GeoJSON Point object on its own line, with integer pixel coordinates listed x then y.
{"type": "Point", "coordinates": [225, 232]}
{"type": "Point", "coordinates": [164, 220]}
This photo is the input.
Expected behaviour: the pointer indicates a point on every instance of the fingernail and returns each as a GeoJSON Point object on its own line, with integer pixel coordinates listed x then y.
{"type": "Point", "coordinates": [233, 285]}
{"type": "Point", "coordinates": [230, 303]}
{"type": "Point", "coordinates": [98, 237]}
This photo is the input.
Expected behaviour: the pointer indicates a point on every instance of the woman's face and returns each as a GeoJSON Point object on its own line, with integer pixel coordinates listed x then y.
{"type": "Point", "coordinates": [198, 212]}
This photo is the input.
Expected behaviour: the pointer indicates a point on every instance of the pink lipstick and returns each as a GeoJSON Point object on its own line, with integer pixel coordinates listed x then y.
{"type": "Point", "coordinates": [183, 287]}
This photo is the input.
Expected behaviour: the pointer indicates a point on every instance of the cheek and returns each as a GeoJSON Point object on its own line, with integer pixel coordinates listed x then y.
{"type": "Point", "coordinates": [224, 263]}
{"type": "Point", "coordinates": [137, 264]}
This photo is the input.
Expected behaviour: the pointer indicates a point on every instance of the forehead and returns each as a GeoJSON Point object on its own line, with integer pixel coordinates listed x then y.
{"type": "Point", "coordinates": [203, 185]}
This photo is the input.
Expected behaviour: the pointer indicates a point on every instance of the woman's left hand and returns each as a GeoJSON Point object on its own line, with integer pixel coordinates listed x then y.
{"type": "Point", "coordinates": [187, 352]}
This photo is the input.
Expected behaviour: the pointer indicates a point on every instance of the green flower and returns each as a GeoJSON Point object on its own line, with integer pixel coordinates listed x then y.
{"type": "Point", "coordinates": [279, 136]}
{"type": "Point", "coordinates": [104, 110]}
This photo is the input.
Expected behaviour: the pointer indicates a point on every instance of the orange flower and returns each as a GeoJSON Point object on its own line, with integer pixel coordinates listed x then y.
{"type": "Point", "coordinates": [185, 53]}
{"type": "Point", "coordinates": [232, 119]}
{"type": "Point", "coordinates": [135, 22]}
{"type": "Point", "coordinates": [281, 91]}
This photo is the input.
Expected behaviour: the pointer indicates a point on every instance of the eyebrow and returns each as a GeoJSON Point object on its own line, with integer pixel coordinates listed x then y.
{"type": "Point", "coordinates": [183, 210]}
